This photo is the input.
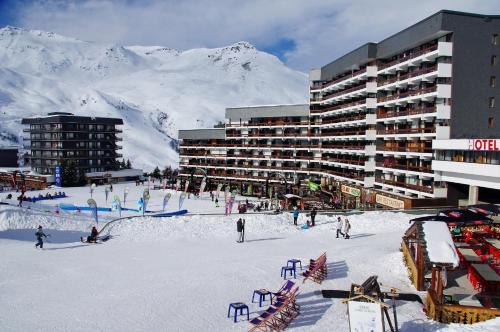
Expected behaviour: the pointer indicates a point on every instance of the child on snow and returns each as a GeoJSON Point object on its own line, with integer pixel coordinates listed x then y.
{"type": "Point", "coordinates": [39, 236]}
{"type": "Point", "coordinates": [339, 225]}
{"type": "Point", "coordinates": [295, 215]}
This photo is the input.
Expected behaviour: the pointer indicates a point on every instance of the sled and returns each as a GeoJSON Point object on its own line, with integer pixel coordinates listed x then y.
{"type": "Point", "coordinates": [100, 239]}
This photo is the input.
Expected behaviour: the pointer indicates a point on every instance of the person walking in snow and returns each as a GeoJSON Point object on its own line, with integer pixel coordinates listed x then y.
{"type": "Point", "coordinates": [39, 236]}
{"type": "Point", "coordinates": [339, 225]}
{"type": "Point", "coordinates": [313, 216]}
{"type": "Point", "coordinates": [243, 230]}
{"type": "Point", "coordinates": [347, 227]}
{"type": "Point", "coordinates": [295, 215]}
{"type": "Point", "coordinates": [216, 202]}
{"type": "Point", "coordinates": [239, 229]}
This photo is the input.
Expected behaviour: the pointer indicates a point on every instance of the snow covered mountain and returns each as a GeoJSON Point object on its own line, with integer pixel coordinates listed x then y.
{"type": "Point", "coordinates": [156, 90]}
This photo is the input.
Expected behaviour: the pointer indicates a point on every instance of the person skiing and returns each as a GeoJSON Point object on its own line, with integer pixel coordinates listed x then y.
{"type": "Point", "coordinates": [339, 225]}
{"type": "Point", "coordinates": [347, 227]}
{"type": "Point", "coordinates": [239, 229]}
{"type": "Point", "coordinates": [313, 216]}
{"type": "Point", "coordinates": [39, 236]}
{"type": "Point", "coordinates": [295, 215]}
{"type": "Point", "coordinates": [93, 235]}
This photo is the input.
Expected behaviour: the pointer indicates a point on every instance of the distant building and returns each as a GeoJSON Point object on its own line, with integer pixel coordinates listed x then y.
{"type": "Point", "coordinates": [90, 143]}
{"type": "Point", "coordinates": [9, 156]}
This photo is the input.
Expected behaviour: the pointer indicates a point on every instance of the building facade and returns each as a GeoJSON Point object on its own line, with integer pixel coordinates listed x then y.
{"type": "Point", "coordinates": [378, 116]}
{"type": "Point", "coordinates": [90, 144]}
{"type": "Point", "coordinates": [9, 156]}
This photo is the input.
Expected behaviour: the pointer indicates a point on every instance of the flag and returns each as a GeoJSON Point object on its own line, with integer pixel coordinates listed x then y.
{"type": "Point", "coordinates": [165, 200]}
{"type": "Point", "coordinates": [313, 186]}
{"type": "Point", "coordinates": [249, 190]}
{"type": "Point", "coordinates": [177, 185]}
{"type": "Point", "coordinates": [116, 205]}
{"type": "Point", "coordinates": [202, 187]}
{"type": "Point", "coordinates": [226, 193]}
{"type": "Point", "coordinates": [219, 187]}
{"type": "Point", "coordinates": [106, 193]}
{"type": "Point", "coordinates": [182, 197]}
{"type": "Point", "coordinates": [93, 206]}
{"type": "Point", "coordinates": [186, 186]}
{"type": "Point", "coordinates": [145, 198]}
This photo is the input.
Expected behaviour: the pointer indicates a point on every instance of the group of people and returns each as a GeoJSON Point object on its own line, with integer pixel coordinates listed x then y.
{"type": "Point", "coordinates": [40, 235]}
{"type": "Point", "coordinates": [343, 227]}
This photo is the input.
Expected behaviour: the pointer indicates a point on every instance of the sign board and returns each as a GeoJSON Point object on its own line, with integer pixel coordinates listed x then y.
{"type": "Point", "coordinates": [57, 175]}
{"type": "Point", "coordinates": [390, 202]}
{"type": "Point", "coordinates": [365, 317]}
{"type": "Point", "coordinates": [350, 190]}
{"type": "Point", "coordinates": [484, 144]}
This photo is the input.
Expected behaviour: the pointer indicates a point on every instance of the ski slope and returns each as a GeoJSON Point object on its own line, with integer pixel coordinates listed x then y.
{"type": "Point", "coordinates": [180, 273]}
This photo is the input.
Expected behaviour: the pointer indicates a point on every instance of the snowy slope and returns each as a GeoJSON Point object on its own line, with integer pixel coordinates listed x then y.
{"type": "Point", "coordinates": [156, 90]}
{"type": "Point", "coordinates": [179, 274]}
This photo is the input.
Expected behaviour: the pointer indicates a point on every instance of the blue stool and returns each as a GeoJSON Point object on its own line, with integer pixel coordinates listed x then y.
{"type": "Point", "coordinates": [262, 295]}
{"type": "Point", "coordinates": [294, 262]}
{"type": "Point", "coordinates": [286, 269]}
{"type": "Point", "coordinates": [237, 306]}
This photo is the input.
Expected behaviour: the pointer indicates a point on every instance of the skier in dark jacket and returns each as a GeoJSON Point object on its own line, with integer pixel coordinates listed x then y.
{"type": "Point", "coordinates": [93, 235]}
{"type": "Point", "coordinates": [239, 229]}
{"type": "Point", "coordinates": [313, 216]}
{"type": "Point", "coordinates": [39, 236]}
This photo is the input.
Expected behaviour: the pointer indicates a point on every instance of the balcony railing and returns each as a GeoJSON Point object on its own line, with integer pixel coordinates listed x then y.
{"type": "Point", "coordinates": [402, 131]}
{"type": "Point", "coordinates": [415, 73]}
{"type": "Point", "coordinates": [344, 133]}
{"type": "Point", "coordinates": [340, 79]}
{"type": "Point", "coordinates": [343, 146]}
{"type": "Point", "coordinates": [413, 55]}
{"type": "Point", "coordinates": [405, 185]}
{"type": "Point", "coordinates": [344, 119]}
{"type": "Point", "coordinates": [344, 161]}
{"type": "Point", "coordinates": [418, 149]}
{"type": "Point", "coordinates": [269, 124]}
{"type": "Point", "coordinates": [407, 112]}
{"type": "Point", "coordinates": [409, 93]}
{"type": "Point", "coordinates": [345, 91]}
{"type": "Point", "coordinates": [423, 169]}
{"type": "Point", "coordinates": [339, 106]}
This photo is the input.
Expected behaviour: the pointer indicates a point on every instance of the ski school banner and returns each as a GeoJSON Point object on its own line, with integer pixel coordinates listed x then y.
{"type": "Point", "coordinates": [116, 205]}
{"type": "Point", "coordinates": [93, 206]}
{"type": "Point", "coordinates": [219, 187]}
{"type": "Point", "coordinates": [165, 200]}
{"type": "Point", "coordinates": [186, 186]}
{"type": "Point", "coordinates": [182, 197]}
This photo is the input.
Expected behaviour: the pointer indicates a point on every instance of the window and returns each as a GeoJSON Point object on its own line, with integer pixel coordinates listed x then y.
{"type": "Point", "coordinates": [494, 39]}
{"type": "Point", "coordinates": [493, 81]}
{"type": "Point", "coordinates": [491, 122]}
{"type": "Point", "coordinates": [492, 102]}
{"type": "Point", "coordinates": [493, 60]}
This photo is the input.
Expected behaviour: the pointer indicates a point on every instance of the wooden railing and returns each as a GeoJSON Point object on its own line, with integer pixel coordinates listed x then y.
{"type": "Point", "coordinates": [410, 264]}
{"type": "Point", "coordinates": [453, 313]}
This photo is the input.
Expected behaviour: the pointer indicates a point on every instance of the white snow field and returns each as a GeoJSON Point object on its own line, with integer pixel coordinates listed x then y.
{"type": "Point", "coordinates": [181, 273]}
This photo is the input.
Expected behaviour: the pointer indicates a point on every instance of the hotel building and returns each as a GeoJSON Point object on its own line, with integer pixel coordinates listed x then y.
{"type": "Point", "coordinates": [384, 118]}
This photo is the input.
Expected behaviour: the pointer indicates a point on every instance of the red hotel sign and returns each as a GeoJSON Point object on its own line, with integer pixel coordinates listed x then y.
{"type": "Point", "coordinates": [484, 144]}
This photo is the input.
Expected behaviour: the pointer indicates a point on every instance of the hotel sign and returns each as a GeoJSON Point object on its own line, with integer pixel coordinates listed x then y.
{"type": "Point", "coordinates": [390, 202]}
{"type": "Point", "coordinates": [484, 144]}
{"type": "Point", "coordinates": [350, 190]}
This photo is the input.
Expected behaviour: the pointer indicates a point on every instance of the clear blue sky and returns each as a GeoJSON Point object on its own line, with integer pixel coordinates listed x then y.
{"type": "Point", "coordinates": [303, 34]}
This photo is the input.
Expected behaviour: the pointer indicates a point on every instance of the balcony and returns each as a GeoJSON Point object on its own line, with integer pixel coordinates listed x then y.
{"type": "Point", "coordinates": [409, 149]}
{"type": "Point", "coordinates": [268, 124]}
{"type": "Point", "coordinates": [407, 131]}
{"type": "Point", "coordinates": [419, 188]}
{"type": "Point", "coordinates": [338, 80]}
{"type": "Point", "coordinates": [406, 167]}
{"type": "Point", "coordinates": [403, 77]}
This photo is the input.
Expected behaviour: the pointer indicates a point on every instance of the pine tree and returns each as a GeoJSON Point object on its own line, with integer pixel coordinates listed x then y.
{"type": "Point", "coordinates": [128, 165]}
{"type": "Point", "coordinates": [69, 174]}
{"type": "Point", "coordinates": [123, 165]}
{"type": "Point", "coordinates": [156, 173]}
{"type": "Point", "coordinates": [167, 172]}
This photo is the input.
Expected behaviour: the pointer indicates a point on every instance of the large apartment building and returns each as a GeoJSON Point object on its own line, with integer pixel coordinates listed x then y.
{"type": "Point", "coordinates": [90, 143]}
{"type": "Point", "coordinates": [377, 114]}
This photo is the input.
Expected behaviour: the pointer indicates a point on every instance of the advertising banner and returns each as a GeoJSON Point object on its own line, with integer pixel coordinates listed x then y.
{"type": "Point", "coordinates": [365, 317]}
{"type": "Point", "coordinates": [202, 187]}
{"type": "Point", "coordinates": [58, 176]}
{"type": "Point", "coordinates": [350, 190]}
{"type": "Point", "coordinates": [116, 205]}
{"type": "Point", "coordinates": [390, 202]}
{"type": "Point", "coordinates": [186, 187]}
{"type": "Point", "coordinates": [145, 199]}
{"type": "Point", "coordinates": [182, 197]}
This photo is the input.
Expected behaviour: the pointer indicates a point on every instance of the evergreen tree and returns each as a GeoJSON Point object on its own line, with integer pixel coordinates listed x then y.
{"type": "Point", "coordinates": [69, 174]}
{"type": "Point", "coordinates": [128, 165]}
{"type": "Point", "coordinates": [167, 172]}
{"type": "Point", "coordinates": [123, 165]}
{"type": "Point", "coordinates": [156, 173]}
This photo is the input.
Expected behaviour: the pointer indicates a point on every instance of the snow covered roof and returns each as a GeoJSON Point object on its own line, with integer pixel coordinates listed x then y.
{"type": "Point", "coordinates": [116, 174]}
{"type": "Point", "coordinates": [267, 111]}
{"type": "Point", "coordinates": [205, 133]}
{"type": "Point", "coordinates": [439, 244]}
